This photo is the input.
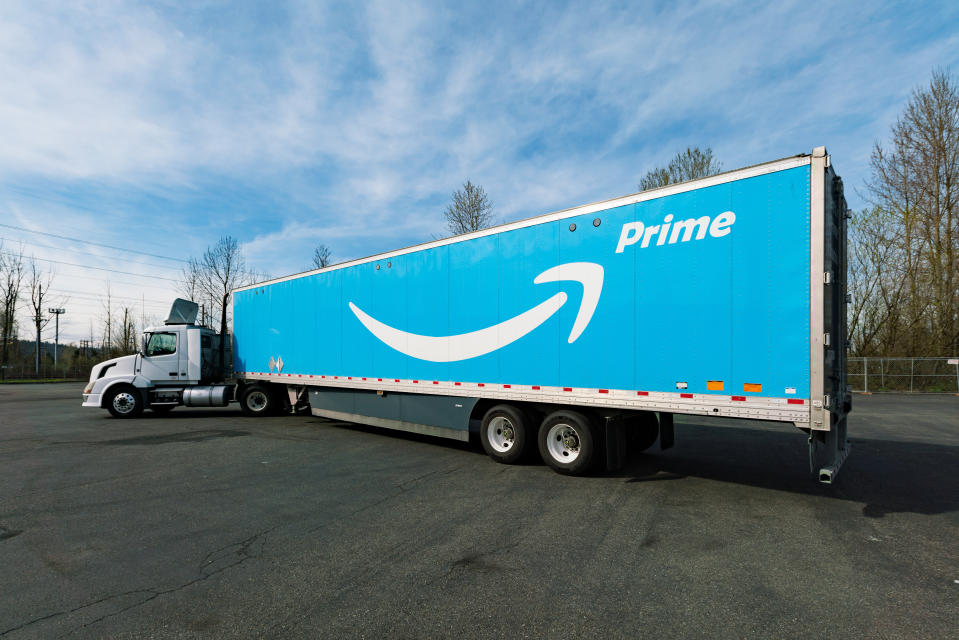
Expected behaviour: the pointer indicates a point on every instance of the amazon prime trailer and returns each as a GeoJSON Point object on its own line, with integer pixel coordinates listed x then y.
{"type": "Point", "coordinates": [580, 334]}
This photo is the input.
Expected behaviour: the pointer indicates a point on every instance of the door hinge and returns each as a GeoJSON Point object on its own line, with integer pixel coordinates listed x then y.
{"type": "Point", "coordinates": [827, 277]}
{"type": "Point", "coordinates": [825, 402]}
{"type": "Point", "coordinates": [825, 339]}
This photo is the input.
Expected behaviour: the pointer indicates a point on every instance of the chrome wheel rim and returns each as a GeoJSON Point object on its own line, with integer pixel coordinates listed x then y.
{"type": "Point", "coordinates": [256, 401]}
{"type": "Point", "coordinates": [562, 442]}
{"type": "Point", "coordinates": [501, 434]}
{"type": "Point", "coordinates": [124, 402]}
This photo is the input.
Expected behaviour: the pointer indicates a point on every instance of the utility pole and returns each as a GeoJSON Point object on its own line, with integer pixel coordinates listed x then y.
{"type": "Point", "coordinates": [56, 342]}
{"type": "Point", "coordinates": [38, 319]}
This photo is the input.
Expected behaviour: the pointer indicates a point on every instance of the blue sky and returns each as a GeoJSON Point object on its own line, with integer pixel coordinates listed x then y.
{"type": "Point", "coordinates": [162, 127]}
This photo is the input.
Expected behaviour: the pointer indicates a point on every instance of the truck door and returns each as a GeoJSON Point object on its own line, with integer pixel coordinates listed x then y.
{"type": "Point", "coordinates": [162, 359]}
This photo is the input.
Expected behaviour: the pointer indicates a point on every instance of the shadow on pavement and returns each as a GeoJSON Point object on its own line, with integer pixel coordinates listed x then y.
{"type": "Point", "coordinates": [184, 436]}
{"type": "Point", "coordinates": [887, 476]}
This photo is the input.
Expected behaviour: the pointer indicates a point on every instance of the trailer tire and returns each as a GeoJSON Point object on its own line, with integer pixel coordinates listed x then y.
{"type": "Point", "coordinates": [642, 430]}
{"type": "Point", "coordinates": [568, 442]}
{"type": "Point", "coordinates": [505, 434]}
{"type": "Point", "coordinates": [257, 400]}
{"type": "Point", "coordinates": [124, 401]}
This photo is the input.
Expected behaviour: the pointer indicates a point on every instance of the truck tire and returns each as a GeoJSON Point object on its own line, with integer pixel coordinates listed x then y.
{"type": "Point", "coordinates": [257, 400]}
{"type": "Point", "coordinates": [505, 434]}
{"type": "Point", "coordinates": [124, 401]}
{"type": "Point", "coordinates": [642, 430]}
{"type": "Point", "coordinates": [568, 442]}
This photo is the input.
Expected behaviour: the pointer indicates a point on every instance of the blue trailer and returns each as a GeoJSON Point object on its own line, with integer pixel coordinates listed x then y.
{"type": "Point", "coordinates": [578, 334]}
{"type": "Point", "coordinates": [581, 332]}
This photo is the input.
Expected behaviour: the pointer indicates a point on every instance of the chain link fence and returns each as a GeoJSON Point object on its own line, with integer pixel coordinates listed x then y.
{"type": "Point", "coordinates": [910, 375]}
{"type": "Point", "coordinates": [21, 372]}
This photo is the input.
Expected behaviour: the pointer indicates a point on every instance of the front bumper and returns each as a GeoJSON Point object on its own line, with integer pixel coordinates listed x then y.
{"type": "Point", "coordinates": [91, 400]}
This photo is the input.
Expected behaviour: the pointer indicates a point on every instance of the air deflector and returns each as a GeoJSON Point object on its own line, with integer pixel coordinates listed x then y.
{"type": "Point", "coordinates": [182, 312]}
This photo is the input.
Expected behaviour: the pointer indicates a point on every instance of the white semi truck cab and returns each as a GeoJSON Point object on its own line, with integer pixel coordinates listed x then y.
{"type": "Point", "coordinates": [178, 364]}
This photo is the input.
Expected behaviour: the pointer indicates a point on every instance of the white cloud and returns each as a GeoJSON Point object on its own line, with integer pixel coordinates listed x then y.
{"type": "Point", "coordinates": [351, 125]}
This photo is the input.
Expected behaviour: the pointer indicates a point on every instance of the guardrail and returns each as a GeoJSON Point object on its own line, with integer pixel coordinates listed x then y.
{"type": "Point", "coordinates": [910, 375]}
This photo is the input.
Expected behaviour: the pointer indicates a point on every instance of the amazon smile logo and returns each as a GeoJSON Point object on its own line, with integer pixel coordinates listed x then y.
{"type": "Point", "coordinates": [477, 343]}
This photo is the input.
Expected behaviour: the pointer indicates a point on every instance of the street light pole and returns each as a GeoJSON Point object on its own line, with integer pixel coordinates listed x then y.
{"type": "Point", "coordinates": [56, 342]}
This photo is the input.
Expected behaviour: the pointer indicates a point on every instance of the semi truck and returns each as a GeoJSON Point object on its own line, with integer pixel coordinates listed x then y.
{"type": "Point", "coordinates": [577, 334]}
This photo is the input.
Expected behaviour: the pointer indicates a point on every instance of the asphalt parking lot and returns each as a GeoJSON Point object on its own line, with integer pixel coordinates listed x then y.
{"type": "Point", "coordinates": [204, 523]}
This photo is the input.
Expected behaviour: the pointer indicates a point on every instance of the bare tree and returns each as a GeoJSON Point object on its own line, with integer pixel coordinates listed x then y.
{"type": "Point", "coordinates": [322, 256]}
{"type": "Point", "coordinates": [470, 210]}
{"type": "Point", "coordinates": [107, 339]}
{"type": "Point", "coordinates": [875, 280]}
{"type": "Point", "coordinates": [214, 276]}
{"type": "Point", "coordinates": [11, 280]}
{"type": "Point", "coordinates": [914, 188]}
{"type": "Point", "coordinates": [189, 283]}
{"type": "Point", "coordinates": [39, 284]}
{"type": "Point", "coordinates": [125, 332]}
{"type": "Point", "coordinates": [687, 165]}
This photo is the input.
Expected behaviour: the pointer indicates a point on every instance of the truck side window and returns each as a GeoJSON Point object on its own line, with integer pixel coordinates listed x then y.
{"type": "Point", "coordinates": [161, 344]}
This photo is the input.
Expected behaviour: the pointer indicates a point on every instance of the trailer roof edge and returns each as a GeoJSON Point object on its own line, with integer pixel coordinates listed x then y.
{"type": "Point", "coordinates": [773, 166]}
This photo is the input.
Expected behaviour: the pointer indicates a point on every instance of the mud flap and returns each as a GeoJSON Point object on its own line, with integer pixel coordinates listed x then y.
{"type": "Point", "coordinates": [666, 434]}
{"type": "Point", "coordinates": [616, 448]}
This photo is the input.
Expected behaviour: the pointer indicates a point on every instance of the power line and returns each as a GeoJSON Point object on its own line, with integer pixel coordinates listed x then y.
{"type": "Point", "coordinates": [68, 294]}
{"type": "Point", "coordinates": [88, 253]}
{"type": "Point", "coordinates": [105, 280]}
{"type": "Point", "coordinates": [112, 296]}
{"type": "Point", "coordinates": [83, 296]}
{"type": "Point", "coordinates": [84, 266]}
{"type": "Point", "coordinates": [98, 244]}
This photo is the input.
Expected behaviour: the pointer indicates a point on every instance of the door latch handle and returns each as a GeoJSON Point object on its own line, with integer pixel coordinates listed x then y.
{"type": "Point", "coordinates": [173, 373]}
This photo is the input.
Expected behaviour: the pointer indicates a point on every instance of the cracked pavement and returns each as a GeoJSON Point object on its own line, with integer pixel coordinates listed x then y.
{"type": "Point", "coordinates": [203, 523]}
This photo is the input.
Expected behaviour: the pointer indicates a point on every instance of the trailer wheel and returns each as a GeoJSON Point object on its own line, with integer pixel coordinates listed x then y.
{"type": "Point", "coordinates": [568, 442]}
{"type": "Point", "coordinates": [124, 401]}
{"type": "Point", "coordinates": [505, 434]}
{"type": "Point", "coordinates": [256, 400]}
{"type": "Point", "coordinates": [642, 430]}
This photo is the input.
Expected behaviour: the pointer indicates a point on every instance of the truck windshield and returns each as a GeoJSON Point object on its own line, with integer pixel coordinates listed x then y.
{"type": "Point", "coordinates": [161, 344]}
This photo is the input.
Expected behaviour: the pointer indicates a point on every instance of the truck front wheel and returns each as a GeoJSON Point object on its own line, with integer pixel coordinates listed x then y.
{"type": "Point", "coordinates": [568, 443]}
{"type": "Point", "coordinates": [124, 401]}
{"type": "Point", "coordinates": [505, 434]}
{"type": "Point", "coordinates": [256, 400]}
